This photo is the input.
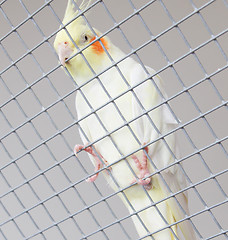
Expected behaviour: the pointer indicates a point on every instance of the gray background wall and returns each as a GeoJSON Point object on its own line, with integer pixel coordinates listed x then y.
{"type": "Point", "coordinates": [42, 187]}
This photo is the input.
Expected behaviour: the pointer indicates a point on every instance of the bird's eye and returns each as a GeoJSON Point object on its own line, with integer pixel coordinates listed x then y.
{"type": "Point", "coordinates": [85, 38]}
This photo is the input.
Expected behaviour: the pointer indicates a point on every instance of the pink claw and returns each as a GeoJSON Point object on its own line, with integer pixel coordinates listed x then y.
{"type": "Point", "coordinates": [98, 162]}
{"type": "Point", "coordinates": [143, 170]}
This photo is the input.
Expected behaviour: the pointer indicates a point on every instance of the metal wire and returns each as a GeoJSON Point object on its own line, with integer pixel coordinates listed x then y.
{"type": "Point", "coordinates": [77, 201]}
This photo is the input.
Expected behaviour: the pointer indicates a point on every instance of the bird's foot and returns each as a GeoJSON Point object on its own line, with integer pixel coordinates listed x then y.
{"type": "Point", "coordinates": [98, 162]}
{"type": "Point", "coordinates": [143, 170]}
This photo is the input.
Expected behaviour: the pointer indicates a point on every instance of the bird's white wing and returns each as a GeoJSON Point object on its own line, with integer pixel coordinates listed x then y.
{"type": "Point", "coordinates": [156, 117]}
{"type": "Point", "coordinates": [147, 128]}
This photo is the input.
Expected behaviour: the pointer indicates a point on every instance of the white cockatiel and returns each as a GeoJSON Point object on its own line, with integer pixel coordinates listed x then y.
{"type": "Point", "coordinates": [125, 127]}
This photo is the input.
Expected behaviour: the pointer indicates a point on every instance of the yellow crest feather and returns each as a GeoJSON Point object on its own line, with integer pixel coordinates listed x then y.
{"type": "Point", "coordinates": [72, 10]}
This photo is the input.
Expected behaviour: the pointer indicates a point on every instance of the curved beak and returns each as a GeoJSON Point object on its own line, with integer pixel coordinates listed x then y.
{"type": "Point", "coordinates": [64, 52]}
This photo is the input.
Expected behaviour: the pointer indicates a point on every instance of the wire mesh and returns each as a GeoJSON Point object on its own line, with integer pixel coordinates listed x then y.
{"type": "Point", "coordinates": [43, 191]}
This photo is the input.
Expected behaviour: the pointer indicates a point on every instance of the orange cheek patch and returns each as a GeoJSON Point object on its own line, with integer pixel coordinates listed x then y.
{"type": "Point", "coordinates": [97, 46]}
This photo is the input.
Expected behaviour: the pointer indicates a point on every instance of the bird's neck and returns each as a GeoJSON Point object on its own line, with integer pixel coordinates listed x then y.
{"type": "Point", "coordinates": [86, 73]}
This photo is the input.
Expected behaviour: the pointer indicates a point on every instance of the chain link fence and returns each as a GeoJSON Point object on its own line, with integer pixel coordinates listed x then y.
{"type": "Point", "coordinates": [43, 192]}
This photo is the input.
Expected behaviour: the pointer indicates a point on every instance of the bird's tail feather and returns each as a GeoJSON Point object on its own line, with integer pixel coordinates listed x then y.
{"type": "Point", "coordinates": [184, 227]}
{"type": "Point", "coordinates": [157, 218]}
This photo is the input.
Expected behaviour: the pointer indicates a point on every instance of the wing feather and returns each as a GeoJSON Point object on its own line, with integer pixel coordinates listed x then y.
{"type": "Point", "coordinates": [160, 119]}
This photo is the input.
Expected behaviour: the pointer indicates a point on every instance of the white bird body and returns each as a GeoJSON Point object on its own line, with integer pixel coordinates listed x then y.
{"type": "Point", "coordinates": [126, 142]}
{"type": "Point", "coordinates": [110, 118]}
{"type": "Point", "coordinates": [116, 134]}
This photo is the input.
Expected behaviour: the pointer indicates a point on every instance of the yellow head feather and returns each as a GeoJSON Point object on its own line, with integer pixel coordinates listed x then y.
{"type": "Point", "coordinates": [72, 11]}
{"type": "Point", "coordinates": [81, 35]}
{"type": "Point", "coordinates": [76, 26]}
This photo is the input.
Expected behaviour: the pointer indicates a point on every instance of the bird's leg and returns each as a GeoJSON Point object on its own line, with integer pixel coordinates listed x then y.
{"type": "Point", "coordinates": [143, 170]}
{"type": "Point", "coordinates": [98, 162]}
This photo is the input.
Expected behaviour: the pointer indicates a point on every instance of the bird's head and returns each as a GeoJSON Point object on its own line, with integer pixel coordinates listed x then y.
{"type": "Point", "coordinates": [76, 36]}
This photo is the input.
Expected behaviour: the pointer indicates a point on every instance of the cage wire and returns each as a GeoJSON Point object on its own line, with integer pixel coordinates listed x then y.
{"type": "Point", "coordinates": [43, 191]}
